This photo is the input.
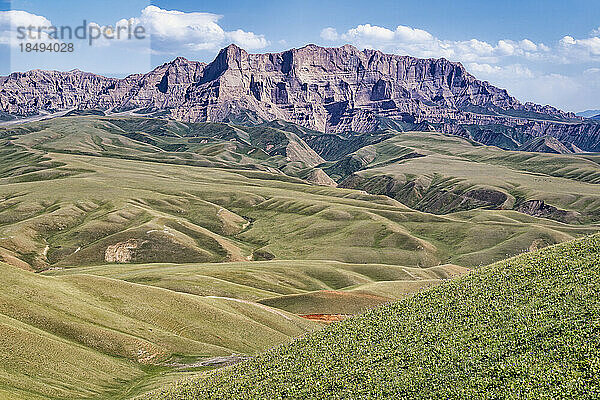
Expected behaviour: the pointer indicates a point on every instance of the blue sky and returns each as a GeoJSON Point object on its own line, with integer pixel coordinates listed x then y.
{"type": "Point", "coordinates": [542, 51]}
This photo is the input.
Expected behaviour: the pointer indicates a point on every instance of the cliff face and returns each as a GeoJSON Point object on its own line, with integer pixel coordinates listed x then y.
{"type": "Point", "coordinates": [30, 92]}
{"type": "Point", "coordinates": [328, 89]}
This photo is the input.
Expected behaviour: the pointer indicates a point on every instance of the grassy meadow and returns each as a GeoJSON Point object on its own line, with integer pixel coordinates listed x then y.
{"type": "Point", "coordinates": [83, 336]}
{"type": "Point", "coordinates": [350, 288]}
{"type": "Point", "coordinates": [74, 207]}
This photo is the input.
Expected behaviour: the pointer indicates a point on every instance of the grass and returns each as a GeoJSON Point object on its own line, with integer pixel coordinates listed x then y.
{"type": "Point", "coordinates": [527, 327]}
{"type": "Point", "coordinates": [298, 286]}
{"type": "Point", "coordinates": [208, 144]}
{"type": "Point", "coordinates": [442, 172]}
{"type": "Point", "coordinates": [91, 185]}
{"type": "Point", "coordinates": [82, 336]}
{"type": "Point", "coordinates": [215, 215]}
{"type": "Point", "coordinates": [219, 242]}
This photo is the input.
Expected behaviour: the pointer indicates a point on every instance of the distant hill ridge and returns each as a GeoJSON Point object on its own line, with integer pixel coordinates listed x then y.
{"type": "Point", "coordinates": [332, 90]}
{"type": "Point", "coordinates": [588, 113]}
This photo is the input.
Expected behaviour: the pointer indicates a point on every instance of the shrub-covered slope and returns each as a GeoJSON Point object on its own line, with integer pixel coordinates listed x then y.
{"type": "Point", "coordinates": [527, 327]}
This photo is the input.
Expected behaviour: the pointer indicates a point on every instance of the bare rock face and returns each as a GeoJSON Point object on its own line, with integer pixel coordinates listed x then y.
{"type": "Point", "coordinates": [30, 92]}
{"type": "Point", "coordinates": [319, 177]}
{"type": "Point", "coordinates": [328, 89]}
{"type": "Point", "coordinates": [122, 252]}
{"type": "Point", "coordinates": [539, 208]}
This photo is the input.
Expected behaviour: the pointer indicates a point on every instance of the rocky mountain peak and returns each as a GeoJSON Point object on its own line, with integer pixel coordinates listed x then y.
{"type": "Point", "coordinates": [328, 89]}
{"type": "Point", "coordinates": [232, 48]}
{"type": "Point", "coordinates": [179, 61]}
{"type": "Point", "coordinates": [228, 58]}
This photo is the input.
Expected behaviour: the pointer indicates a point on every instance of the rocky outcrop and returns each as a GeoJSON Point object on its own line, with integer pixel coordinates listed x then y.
{"type": "Point", "coordinates": [122, 252]}
{"type": "Point", "coordinates": [332, 90]}
{"type": "Point", "coordinates": [539, 208]}
{"type": "Point", "coordinates": [545, 144]}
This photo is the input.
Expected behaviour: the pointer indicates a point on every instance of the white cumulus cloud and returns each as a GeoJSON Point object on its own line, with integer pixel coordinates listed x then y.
{"type": "Point", "coordinates": [369, 33]}
{"type": "Point", "coordinates": [408, 34]}
{"type": "Point", "coordinates": [420, 43]}
{"type": "Point", "coordinates": [171, 31]}
{"type": "Point", "coordinates": [174, 30]}
{"type": "Point", "coordinates": [575, 49]}
{"type": "Point", "coordinates": [329, 34]}
{"type": "Point", "coordinates": [11, 20]}
{"type": "Point", "coordinates": [247, 40]}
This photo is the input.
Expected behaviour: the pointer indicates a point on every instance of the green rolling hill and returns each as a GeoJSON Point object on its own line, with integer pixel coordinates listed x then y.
{"type": "Point", "coordinates": [350, 288]}
{"type": "Point", "coordinates": [443, 174]}
{"type": "Point", "coordinates": [85, 336]}
{"type": "Point", "coordinates": [133, 251]}
{"type": "Point", "coordinates": [79, 191]}
{"type": "Point", "coordinates": [526, 327]}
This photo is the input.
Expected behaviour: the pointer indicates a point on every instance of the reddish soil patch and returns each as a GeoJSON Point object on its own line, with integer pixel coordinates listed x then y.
{"type": "Point", "coordinates": [325, 318]}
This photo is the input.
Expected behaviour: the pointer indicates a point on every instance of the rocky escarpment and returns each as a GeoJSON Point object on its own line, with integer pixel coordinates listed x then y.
{"type": "Point", "coordinates": [332, 90]}
{"type": "Point", "coordinates": [165, 87]}
{"type": "Point", "coordinates": [429, 195]}
{"type": "Point", "coordinates": [539, 208]}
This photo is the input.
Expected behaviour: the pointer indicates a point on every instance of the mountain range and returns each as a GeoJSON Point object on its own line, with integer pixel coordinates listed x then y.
{"type": "Point", "coordinates": [159, 226]}
{"type": "Point", "coordinates": [332, 90]}
{"type": "Point", "coordinates": [594, 114]}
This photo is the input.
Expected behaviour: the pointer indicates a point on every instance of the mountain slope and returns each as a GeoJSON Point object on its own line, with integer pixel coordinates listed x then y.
{"type": "Point", "coordinates": [527, 327]}
{"type": "Point", "coordinates": [588, 113]}
{"type": "Point", "coordinates": [444, 174]}
{"type": "Point", "coordinates": [275, 283]}
{"type": "Point", "coordinates": [238, 196]}
{"type": "Point", "coordinates": [333, 90]}
{"type": "Point", "coordinates": [82, 336]}
{"type": "Point", "coordinates": [545, 145]}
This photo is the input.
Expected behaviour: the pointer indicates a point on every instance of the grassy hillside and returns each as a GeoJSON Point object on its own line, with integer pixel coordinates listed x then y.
{"type": "Point", "coordinates": [90, 210]}
{"type": "Point", "coordinates": [207, 144]}
{"type": "Point", "coordinates": [81, 336]}
{"type": "Point", "coordinates": [443, 174]}
{"type": "Point", "coordinates": [161, 244]}
{"type": "Point", "coordinates": [290, 285]}
{"type": "Point", "coordinates": [527, 327]}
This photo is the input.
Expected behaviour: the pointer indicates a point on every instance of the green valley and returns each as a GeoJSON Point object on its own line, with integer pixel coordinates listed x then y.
{"type": "Point", "coordinates": [137, 251]}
